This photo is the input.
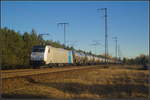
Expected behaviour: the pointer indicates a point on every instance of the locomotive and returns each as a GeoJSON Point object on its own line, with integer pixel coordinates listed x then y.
{"type": "Point", "coordinates": [52, 56]}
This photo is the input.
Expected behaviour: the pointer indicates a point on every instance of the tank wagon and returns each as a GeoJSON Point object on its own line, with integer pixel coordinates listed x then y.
{"type": "Point", "coordinates": [51, 56]}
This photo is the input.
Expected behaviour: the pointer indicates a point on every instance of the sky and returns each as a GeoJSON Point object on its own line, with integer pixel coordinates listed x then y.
{"type": "Point", "coordinates": [129, 21]}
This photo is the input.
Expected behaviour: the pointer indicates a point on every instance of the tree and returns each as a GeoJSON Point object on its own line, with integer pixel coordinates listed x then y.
{"type": "Point", "coordinates": [124, 60]}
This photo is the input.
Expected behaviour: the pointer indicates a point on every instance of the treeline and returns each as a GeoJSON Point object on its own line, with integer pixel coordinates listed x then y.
{"type": "Point", "coordinates": [15, 48]}
{"type": "Point", "coordinates": [139, 60]}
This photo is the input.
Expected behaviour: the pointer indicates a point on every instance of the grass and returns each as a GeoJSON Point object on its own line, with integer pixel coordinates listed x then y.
{"type": "Point", "coordinates": [112, 82]}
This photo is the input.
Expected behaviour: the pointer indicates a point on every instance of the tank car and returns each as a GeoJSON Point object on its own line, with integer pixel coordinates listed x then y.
{"type": "Point", "coordinates": [79, 58]}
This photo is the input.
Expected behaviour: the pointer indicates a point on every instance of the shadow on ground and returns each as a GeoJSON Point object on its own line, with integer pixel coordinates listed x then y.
{"type": "Point", "coordinates": [105, 90]}
{"type": "Point", "coordinates": [141, 67]}
{"type": "Point", "coordinates": [96, 89]}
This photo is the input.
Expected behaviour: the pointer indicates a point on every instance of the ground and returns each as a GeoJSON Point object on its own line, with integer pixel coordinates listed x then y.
{"type": "Point", "coordinates": [99, 82]}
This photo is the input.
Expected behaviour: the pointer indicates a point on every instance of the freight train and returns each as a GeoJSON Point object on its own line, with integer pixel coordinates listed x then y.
{"type": "Point", "coordinates": [51, 56]}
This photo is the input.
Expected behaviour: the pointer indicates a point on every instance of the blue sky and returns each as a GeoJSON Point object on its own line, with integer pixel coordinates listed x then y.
{"type": "Point", "coordinates": [129, 21]}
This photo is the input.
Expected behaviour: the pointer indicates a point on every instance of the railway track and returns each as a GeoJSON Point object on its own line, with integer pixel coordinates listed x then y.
{"type": "Point", "coordinates": [32, 72]}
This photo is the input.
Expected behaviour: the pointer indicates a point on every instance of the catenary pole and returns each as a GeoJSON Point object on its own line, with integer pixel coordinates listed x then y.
{"type": "Point", "coordinates": [64, 26]}
{"type": "Point", "coordinates": [106, 33]}
{"type": "Point", "coordinates": [116, 47]}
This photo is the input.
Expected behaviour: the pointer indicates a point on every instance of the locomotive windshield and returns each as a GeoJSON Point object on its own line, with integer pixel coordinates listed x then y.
{"type": "Point", "coordinates": [38, 49]}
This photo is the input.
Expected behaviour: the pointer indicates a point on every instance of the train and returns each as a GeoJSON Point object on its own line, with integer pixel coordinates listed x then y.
{"type": "Point", "coordinates": [52, 56]}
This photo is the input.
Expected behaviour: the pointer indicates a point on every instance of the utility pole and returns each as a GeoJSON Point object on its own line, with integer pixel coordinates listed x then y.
{"type": "Point", "coordinates": [72, 43]}
{"type": "Point", "coordinates": [119, 52]}
{"type": "Point", "coordinates": [116, 49]}
{"type": "Point", "coordinates": [43, 34]}
{"type": "Point", "coordinates": [96, 43]}
{"type": "Point", "coordinates": [106, 35]}
{"type": "Point", "coordinates": [51, 37]}
{"type": "Point", "coordinates": [95, 47]}
{"type": "Point", "coordinates": [64, 25]}
{"type": "Point", "coordinates": [40, 35]}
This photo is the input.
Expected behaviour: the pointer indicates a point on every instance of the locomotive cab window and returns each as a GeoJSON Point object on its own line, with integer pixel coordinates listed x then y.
{"type": "Point", "coordinates": [38, 49]}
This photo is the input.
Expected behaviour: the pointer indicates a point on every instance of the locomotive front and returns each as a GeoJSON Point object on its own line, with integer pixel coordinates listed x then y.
{"type": "Point", "coordinates": [37, 55]}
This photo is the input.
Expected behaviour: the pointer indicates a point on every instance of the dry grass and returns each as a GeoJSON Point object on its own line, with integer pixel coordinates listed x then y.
{"type": "Point", "coordinates": [113, 82]}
